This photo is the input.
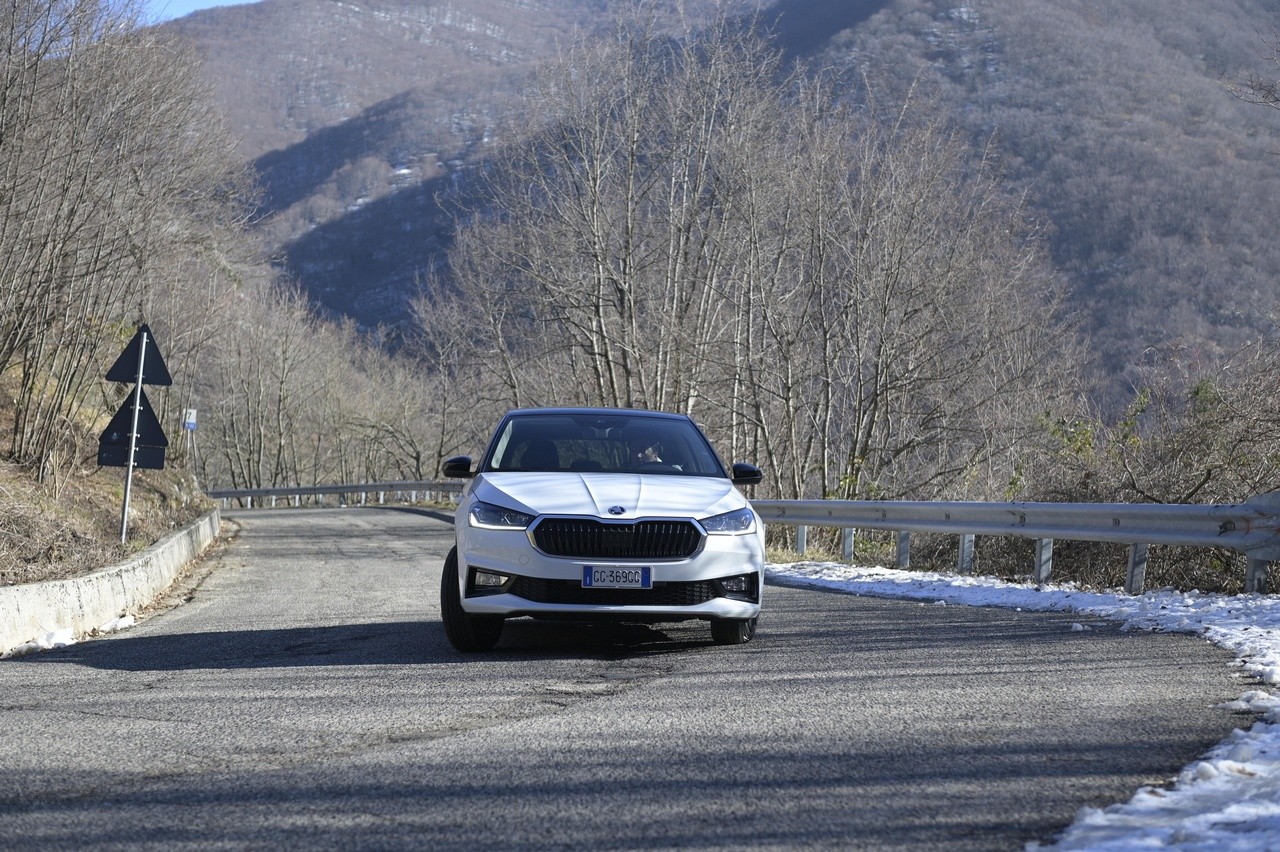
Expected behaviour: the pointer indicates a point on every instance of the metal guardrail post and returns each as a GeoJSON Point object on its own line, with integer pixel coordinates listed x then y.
{"type": "Point", "coordinates": [846, 543]}
{"type": "Point", "coordinates": [802, 539]}
{"type": "Point", "coordinates": [904, 550]}
{"type": "Point", "coordinates": [1044, 560]}
{"type": "Point", "coordinates": [1136, 577]}
{"type": "Point", "coordinates": [1257, 576]}
{"type": "Point", "coordinates": [964, 564]}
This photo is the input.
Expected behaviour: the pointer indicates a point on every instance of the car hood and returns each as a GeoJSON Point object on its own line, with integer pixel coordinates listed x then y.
{"type": "Point", "coordinates": [595, 494]}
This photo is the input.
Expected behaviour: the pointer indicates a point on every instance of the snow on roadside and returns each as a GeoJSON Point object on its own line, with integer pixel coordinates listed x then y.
{"type": "Point", "coordinates": [1227, 800]}
{"type": "Point", "coordinates": [63, 637]}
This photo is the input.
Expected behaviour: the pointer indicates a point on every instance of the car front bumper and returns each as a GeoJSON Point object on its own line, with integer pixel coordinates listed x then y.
{"type": "Point", "coordinates": [542, 585]}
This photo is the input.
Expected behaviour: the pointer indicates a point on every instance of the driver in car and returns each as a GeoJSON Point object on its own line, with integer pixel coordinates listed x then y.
{"type": "Point", "coordinates": [645, 451]}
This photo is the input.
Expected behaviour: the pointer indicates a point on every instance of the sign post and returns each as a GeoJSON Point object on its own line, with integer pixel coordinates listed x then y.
{"type": "Point", "coordinates": [189, 429]}
{"type": "Point", "coordinates": [134, 437]}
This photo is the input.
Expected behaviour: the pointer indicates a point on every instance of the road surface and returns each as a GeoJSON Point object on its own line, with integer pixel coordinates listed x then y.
{"type": "Point", "coordinates": [306, 697]}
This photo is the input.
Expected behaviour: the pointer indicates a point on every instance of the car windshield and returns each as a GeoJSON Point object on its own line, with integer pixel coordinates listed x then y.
{"type": "Point", "coordinates": [594, 442]}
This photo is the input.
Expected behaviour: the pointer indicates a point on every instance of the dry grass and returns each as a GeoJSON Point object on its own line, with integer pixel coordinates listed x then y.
{"type": "Point", "coordinates": [69, 524]}
{"type": "Point", "coordinates": [51, 536]}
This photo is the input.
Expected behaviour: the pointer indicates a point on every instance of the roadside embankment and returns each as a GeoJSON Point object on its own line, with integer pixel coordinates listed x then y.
{"type": "Point", "coordinates": [78, 606]}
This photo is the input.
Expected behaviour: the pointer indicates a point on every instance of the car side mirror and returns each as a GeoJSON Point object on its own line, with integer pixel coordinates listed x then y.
{"type": "Point", "coordinates": [458, 467]}
{"type": "Point", "coordinates": [746, 474]}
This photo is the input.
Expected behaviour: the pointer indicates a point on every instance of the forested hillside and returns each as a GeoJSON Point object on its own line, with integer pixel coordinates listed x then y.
{"type": "Point", "coordinates": [1155, 186]}
{"type": "Point", "coordinates": [120, 202]}
{"type": "Point", "coordinates": [358, 117]}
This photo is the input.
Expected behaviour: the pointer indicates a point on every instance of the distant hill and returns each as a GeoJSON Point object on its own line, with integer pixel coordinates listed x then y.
{"type": "Point", "coordinates": [357, 116]}
{"type": "Point", "coordinates": [1158, 190]}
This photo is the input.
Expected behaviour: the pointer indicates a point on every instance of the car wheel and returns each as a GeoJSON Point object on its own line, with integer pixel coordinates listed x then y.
{"type": "Point", "coordinates": [466, 632]}
{"type": "Point", "coordinates": [732, 631]}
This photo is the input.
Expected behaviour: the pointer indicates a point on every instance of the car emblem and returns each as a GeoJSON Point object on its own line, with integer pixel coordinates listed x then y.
{"type": "Point", "coordinates": [617, 510]}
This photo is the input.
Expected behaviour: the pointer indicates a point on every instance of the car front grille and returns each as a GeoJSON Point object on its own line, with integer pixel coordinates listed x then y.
{"type": "Point", "coordinates": [571, 592]}
{"type": "Point", "coordinates": [583, 538]}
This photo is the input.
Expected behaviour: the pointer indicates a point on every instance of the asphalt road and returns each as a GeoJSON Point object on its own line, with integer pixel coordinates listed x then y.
{"type": "Point", "coordinates": [306, 697]}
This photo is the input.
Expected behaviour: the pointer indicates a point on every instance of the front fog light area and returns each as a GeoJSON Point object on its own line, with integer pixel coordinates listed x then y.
{"type": "Point", "coordinates": [744, 587]}
{"type": "Point", "coordinates": [487, 582]}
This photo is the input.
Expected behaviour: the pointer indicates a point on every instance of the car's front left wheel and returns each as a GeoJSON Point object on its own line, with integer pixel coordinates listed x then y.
{"type": "Point", "coordinates": [466, 632]}
{"type": "Point", "coordinates": [732, 631]}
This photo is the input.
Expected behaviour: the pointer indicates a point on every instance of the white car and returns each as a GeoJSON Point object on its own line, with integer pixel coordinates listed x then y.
{"type": "Point", "coordinates": [601, 514]}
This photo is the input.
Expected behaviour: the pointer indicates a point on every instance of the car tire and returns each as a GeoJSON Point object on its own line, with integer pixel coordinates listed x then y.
{"type": "Point", "coordinates": [466, 632]}
{"type": "Point", "coordinates": [732, 631]}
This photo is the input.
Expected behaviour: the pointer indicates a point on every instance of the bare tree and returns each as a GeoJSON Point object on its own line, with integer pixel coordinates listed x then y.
{"type": "Point", "coordinates": [122, 199]}
{"type": "Point", "coordinates": [840, 291]}
{"type": "Point", "coordinates": [271, 382]}
{"type": "Point", "coordinates": [1198, 435]}
{"type": "Point", "coordinates": [470, 387]}
{"type": "Point", "coordinates": [1258, 88]}
{"type": "Point", "coordinates": [948, 349]}
{"type": "Point", "coordinates": [613, 251]}
{"type": "Point", "coordinates": [115, 178]}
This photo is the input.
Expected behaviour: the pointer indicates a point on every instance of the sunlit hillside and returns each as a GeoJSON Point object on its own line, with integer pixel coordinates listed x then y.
{"type": "Point", "coordinates": [1155, 187]}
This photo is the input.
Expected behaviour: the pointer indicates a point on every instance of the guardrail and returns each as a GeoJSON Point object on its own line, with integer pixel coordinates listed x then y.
{"type": "Point", "coordinates": [1251, 528]}
{"type": "Point", "coordinates": [406, 491]}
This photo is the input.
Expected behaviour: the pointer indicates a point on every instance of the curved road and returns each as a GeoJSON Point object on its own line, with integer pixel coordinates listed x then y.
{"type": "Point", "coordinates": [305, 696]}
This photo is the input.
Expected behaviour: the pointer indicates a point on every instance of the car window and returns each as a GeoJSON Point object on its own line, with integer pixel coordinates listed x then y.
{"type": "Point", "coordinates": [602, 443]}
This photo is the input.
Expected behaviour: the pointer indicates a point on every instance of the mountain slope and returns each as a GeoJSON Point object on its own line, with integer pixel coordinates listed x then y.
{"type": "Point", "coordinates": [289, 68]}
{"type": "Point", "coordinates": [1157, 189]}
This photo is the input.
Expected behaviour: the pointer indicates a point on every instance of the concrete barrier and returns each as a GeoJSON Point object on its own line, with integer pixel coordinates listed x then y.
{"type": "Point", "coordinates": [78, 606]}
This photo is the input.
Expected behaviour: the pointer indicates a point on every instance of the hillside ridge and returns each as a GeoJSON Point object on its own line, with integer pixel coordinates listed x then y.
{"type": "Point", "coordinates": [1156, 188]}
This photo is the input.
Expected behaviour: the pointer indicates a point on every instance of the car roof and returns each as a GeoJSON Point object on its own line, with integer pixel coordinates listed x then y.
{"type": "Point", "coordinates": [520, 412]}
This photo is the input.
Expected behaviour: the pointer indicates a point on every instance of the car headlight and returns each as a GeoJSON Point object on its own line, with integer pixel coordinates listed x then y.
{"type": "Point", "coordinates": [493, 517]}
{"type": "Point", "coordinates": [737, 522]}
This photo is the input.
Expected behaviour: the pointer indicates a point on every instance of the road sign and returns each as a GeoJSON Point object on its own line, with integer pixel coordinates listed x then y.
{"type": "Point", "coordinates": [153, 372]}
{"type": "Point", "coordinates": [150, 443]}
{"type": "Point", "coordinates": [147, 458]}
{"type": "Point", "coordinates": [189, 420]}
{"type": "Point", "coordinates": [134, 438]}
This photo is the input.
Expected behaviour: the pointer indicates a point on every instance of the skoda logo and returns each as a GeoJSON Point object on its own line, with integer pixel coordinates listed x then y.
{"type": "Point", "coordinates": [617, 510]}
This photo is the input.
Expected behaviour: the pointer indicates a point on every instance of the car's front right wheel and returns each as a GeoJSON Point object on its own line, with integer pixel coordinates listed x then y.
{"type": "Point", "coordinates": [732, 631]}
{"type": "Point", "coordinates": [466, 632]}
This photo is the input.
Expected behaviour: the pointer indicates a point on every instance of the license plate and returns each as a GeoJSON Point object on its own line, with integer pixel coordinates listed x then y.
{"type": "Point", "coordinates": [616, 577]}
